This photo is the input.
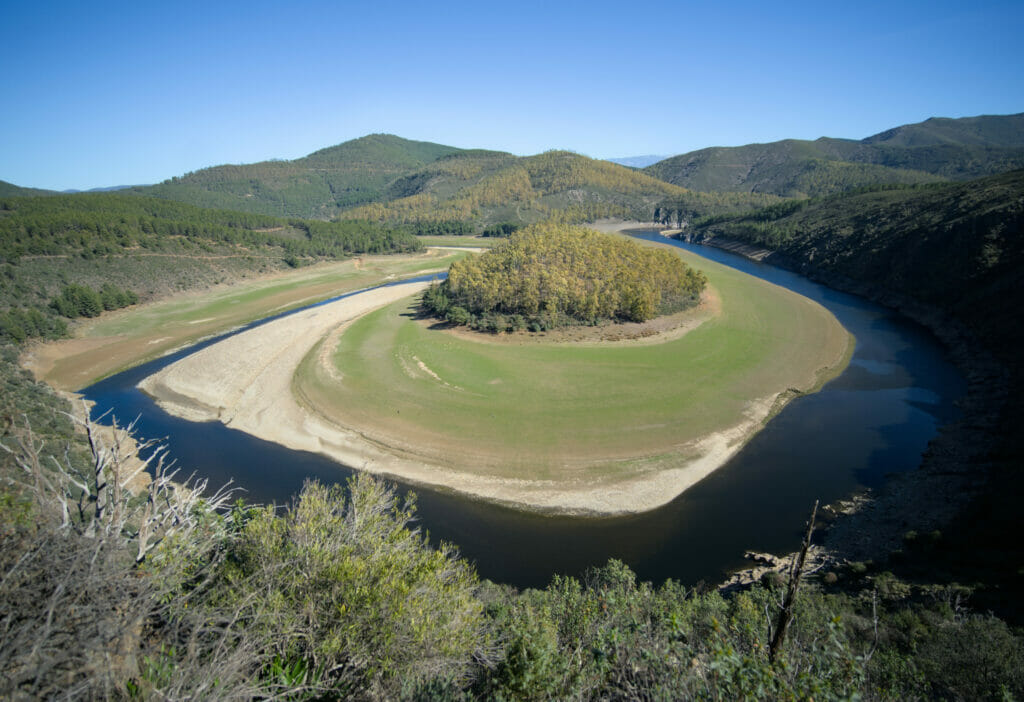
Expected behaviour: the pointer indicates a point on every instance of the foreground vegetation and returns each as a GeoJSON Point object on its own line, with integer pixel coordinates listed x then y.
{"type": "Point", "coordinates": [340, 596]}
{"type": "Point", "coordinates": [544, 277]}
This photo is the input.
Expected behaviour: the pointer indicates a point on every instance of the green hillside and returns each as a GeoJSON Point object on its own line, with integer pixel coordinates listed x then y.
{"type": "Point", "coordinates": [958, 248]}
{"type": "Point", "coordinates": [389, 179]}
{"type": "Point", "coordinates": [934, 150]}
{"type": "Point", "coordinates": [899, 238]}
{"type": "Point", "coordinates": [993, 131]}
{"type": "Point", "coordinates": [12, 190]}
{"type": "Point", "coordinates": [316, 186]}
{"type": "Point", "coordinates": [151, 247]}
{"type": "Point", "coordinates": [490, 187]}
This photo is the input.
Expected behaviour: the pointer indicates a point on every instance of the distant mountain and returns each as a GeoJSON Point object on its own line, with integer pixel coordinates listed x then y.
{"type": "Point", "coordinates": [316, 186]}
{"type": "Point", "coordinates": [934, 150]}
{"type": "Point", "coordinates": [1005, 131]}
{"type": "Point", "coordinates": [108, 189]}
{"type": "Point", "coordinates": [637, 161]}
{"type": "Point", "coordinates": [12, 190]}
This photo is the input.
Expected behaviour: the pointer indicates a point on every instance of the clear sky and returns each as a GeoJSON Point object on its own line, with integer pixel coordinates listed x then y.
{"type": "Point", "coordinates": [111, 93]}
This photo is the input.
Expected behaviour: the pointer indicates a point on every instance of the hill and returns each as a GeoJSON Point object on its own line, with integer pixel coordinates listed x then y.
{"type": "Point", "coordinates": [387, 178]}
{"type": "Point", "coordinates": [958, 246]}
{"type": "Point", "coordinates": [935, 150]}
{"type": "Point", "coordinates": [958, 249]}
{"type": "Point", "coordinates": [316, 186]}
{"type": "Point", "coordinates": [12, 190]}
{"type": "Point", "coordinates": [492, 187]}
{"type": "Point", "coordinates": [150, 247]}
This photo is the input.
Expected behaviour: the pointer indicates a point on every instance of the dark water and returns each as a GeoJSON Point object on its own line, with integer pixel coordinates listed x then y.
{"type": "Point", "coordinates": [874, 419]}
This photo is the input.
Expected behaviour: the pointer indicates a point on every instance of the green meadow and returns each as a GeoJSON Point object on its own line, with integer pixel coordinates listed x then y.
{"type": "Point", "coordinates": [122, 339]}
{"type": "Point", "coordinates": [516, 407]}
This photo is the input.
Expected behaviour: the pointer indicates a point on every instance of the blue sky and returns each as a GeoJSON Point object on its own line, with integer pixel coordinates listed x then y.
{"type": "Point", "coordinates": [110, 93]}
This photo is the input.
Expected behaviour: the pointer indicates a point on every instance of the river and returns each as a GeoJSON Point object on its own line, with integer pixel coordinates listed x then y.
{"type": "Point", "coordinates": [874, 419]}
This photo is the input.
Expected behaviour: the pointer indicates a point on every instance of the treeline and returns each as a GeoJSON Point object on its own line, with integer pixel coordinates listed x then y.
{"type": "Point", "coordinates": [549, 275]}
{"type": "Point", "coordinates": [19, 324]}
{"type": "Point", "coordinates": [82, 301]}
{"type": "Point", "coordinates": [444, 227]}
{"type": "Point", "coordinates": [502, 229]}
{"type": "Point", "coordinates": [101, 224]}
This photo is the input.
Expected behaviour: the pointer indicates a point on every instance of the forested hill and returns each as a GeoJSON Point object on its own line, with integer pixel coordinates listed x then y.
{"type": "Point", "coordinates": [389, 179]}
{"type": "Point", "coordinates": [12, 190]}
{"type": "Point", "coordinates": [958, 246]}
{"type": "Point", "coordinates": [150, 247]}
{"type": "Point", "coordinates": [315, 186]}
{"type": "Point", "coordinates": [490, 187]}
{"type": "Point", "coordinates": [98, 224]}
{"type": "Point", "coordinates": [934, 150]}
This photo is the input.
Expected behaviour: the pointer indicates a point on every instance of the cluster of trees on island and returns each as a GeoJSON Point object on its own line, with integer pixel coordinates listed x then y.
{"type": "Point", "coordinates": [546, 276]}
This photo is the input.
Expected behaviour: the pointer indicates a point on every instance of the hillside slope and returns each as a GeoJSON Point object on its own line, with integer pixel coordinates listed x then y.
{"type": "Point", "coordinates": [934, 150]}
{"type": "Point", "coordinates": [490, 187]}
{"type": "Point", "coordinates": [959, 249]}
{"type": "Point", "coordinates": [315, 186]}
{"type": "Point", "coordinates": [12, 190]}
{"type": "Point", "coordinates": [390, 179]}
{"type": "Point", "coordinates": [152, 247]}
{"type": "Point", "coordinates": [953, 245]}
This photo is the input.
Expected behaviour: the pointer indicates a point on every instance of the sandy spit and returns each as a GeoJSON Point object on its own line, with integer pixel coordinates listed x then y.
{"type": "Point", "coordinates": [245, 382]}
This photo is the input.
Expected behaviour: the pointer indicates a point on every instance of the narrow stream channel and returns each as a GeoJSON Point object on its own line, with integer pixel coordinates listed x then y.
{"type": "Point", "coordinates": [875, 419]}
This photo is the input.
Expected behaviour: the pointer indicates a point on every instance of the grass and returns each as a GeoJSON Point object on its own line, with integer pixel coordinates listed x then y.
{"type": "Point", "coordinates": [120, 340]}
{"type": "Point", "coordinates": [467, 241]}
{"type": "Point", "coordinates": [543, 410]}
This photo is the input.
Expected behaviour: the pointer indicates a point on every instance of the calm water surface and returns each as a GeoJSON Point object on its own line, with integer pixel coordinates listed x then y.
{"type": "Point", "coordinates": [876, 418]}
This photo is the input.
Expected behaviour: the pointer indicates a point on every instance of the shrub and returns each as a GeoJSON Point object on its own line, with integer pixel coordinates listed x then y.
{"type": "Point", "coordinates": [347, 586]}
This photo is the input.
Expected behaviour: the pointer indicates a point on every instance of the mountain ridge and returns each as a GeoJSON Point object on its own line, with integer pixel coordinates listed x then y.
{"type": "Point", "coordinates": [934, 150]}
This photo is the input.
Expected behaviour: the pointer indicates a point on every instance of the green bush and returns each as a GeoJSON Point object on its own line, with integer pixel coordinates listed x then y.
{"type": "Point", "coordinates": [343, 583]}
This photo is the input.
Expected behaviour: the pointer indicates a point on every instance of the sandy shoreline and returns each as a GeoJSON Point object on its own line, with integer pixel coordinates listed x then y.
{"type": "Point", "coordinates": [245, 382]}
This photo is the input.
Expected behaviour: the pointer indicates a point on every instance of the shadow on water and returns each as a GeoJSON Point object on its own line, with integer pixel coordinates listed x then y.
{"type": "Point", "coordinates": [875, 419]}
